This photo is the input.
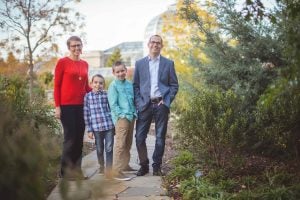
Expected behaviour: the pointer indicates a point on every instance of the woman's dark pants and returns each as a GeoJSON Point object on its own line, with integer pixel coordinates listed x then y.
{"type": "Point", "coordinates": [73, 126]}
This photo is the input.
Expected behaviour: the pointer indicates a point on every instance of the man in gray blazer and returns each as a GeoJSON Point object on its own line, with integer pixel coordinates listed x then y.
{"type": "Point", "coordinates": [155, 86]}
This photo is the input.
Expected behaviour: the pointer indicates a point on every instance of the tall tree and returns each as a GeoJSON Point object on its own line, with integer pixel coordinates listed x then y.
{"type": "Point", "coordinates": [180, 33]}
{"type": "Point", "coordinates": [3, 66]}
{"type": "Point", "coordinates": [183, 42]}
{"type": "Point", "coordinates": [12, 66]}
{"type": "Point", "coordinates": [12, 61]}
{"type": "Point", "coordinates": [35, 25]}
{"type": "Point", "coordinates": [115, 56]}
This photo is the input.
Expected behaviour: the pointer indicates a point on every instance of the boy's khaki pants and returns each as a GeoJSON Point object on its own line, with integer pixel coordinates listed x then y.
{"type": "Point", "coordinates": [123, 142]}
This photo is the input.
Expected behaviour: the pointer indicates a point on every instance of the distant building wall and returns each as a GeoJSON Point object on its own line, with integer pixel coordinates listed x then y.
{"type": "Point", "coordinates": [93, 58]}
{"type": "Point", "coordinates": [130, 51]}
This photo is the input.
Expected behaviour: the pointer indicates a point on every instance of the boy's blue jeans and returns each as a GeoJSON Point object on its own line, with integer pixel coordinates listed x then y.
{"type": "Point", "coordinates": [105, 140]}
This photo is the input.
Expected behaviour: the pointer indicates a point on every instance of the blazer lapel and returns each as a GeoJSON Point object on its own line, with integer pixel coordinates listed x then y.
{"type": "Point", "coordinates": [146, 69]}
{"type": "Point", "coordinates": [160, 68]}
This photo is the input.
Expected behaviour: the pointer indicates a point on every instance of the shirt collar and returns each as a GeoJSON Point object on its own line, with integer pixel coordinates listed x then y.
{"type": "Point", "coordinates": [98, 92]}
{"type": "Point", "coordinates": [120, 81]}
{"type": "Point", "coordinates": [155, 59]}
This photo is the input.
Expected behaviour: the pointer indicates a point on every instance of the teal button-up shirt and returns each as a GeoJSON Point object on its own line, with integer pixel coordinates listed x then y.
{"type": "Point", "coordinates": [121, 100]}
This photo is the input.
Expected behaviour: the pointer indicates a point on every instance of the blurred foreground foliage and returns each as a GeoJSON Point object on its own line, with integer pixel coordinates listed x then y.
{"type": "Point", "coordinates": [30, 142]}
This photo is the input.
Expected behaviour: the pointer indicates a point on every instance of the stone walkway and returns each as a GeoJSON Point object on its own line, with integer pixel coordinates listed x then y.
{"type": "Point", "coordinates": [96, 187]}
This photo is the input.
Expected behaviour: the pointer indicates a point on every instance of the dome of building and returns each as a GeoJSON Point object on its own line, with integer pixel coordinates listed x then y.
{"type": "Point", "coordinates": [155, 26]}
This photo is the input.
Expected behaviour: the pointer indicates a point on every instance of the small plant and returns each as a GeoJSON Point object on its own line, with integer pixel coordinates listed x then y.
{"type": "Point", "coordinates": [277, 177]}
{"type": "Point", "coordinates": [214, 175]}
{"type": "Point", "coordinates": [184, 166]}
{"type": "Point", "coordinates": [197, 188]}
{"type": "Point", "coordinates": [229, 185]}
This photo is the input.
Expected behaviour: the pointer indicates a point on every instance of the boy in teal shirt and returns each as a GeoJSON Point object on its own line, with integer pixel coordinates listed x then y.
{"type": "Point", "coordinates": [121, 101]}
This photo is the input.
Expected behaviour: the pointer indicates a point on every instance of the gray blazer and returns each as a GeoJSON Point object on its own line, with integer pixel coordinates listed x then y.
{"type": "Point", "coordinates": [167, 82]}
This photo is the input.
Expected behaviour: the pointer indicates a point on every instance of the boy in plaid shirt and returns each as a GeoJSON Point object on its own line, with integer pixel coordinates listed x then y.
{"type": "Point", "coordinates": [97, 117]}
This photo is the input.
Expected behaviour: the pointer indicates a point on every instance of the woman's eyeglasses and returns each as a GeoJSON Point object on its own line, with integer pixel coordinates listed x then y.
{"type": "Point", "coordinates": [76, 45]}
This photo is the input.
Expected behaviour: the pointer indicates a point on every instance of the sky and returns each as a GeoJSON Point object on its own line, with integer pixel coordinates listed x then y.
{"type": "Point", "coordinates": [110, 22]}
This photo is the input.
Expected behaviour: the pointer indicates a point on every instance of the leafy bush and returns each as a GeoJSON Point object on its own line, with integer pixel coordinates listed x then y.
{"type": "Point", "coordinates": [22, 158]}
{"type": "Point", "coordinates": [278, 120]}
{"type": "Point", "coordinates": [215, 175]}
{"type": "Point", "coordinates": [29, 152]}
{"type": "Point", "coordinates": [184, 166]}
{"type": "Point", "coordinates": [212, 122]}
{"type": "Point", "coordinates": [268, 193]}
{"type": "Point", "coordinates": [228, 185]}
{"type": "Point", "coordinates": [195, 188]}
{"type": "Point", "coordinates": [46, 80]}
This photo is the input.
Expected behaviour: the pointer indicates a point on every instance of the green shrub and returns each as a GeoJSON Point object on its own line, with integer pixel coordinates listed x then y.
{"type": "Point", "coordinates": [276, 177]}
{"type": "Point", "coordinates": [184, 166]}
{"type": "Point", "coordinates": [29, 150]}
{"type": "Point", "coordinates": [278, 120]}
{"type": "Point", "coordinates": [212, 122]}
{"type": "Point", "coordinates": [22, 158]}
{"type": "Point", "coordinates": [228, 185]}
{"type": "Point", "coordinates": [46, 80]}
{"type": "Point", "coordinates": [215, 175]}
{"type": "Point", "coordinates": [197, 188]}
{"type": "Point", "coordinates": [268, 193]}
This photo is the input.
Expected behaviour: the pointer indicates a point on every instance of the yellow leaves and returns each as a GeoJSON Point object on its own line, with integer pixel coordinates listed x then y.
{"type": "Point", "coordinates": [185, 39]}
{"type": "Point", "coordinates": [232, 42]}
{"type": "Point", "coordinates": [197, 53]}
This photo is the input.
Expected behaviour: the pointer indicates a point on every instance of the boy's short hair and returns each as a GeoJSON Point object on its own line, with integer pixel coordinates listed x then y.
{"type": "Point", "coordinates": [99, 76]}
{"type": "Point", "coordinates": [118, 63]}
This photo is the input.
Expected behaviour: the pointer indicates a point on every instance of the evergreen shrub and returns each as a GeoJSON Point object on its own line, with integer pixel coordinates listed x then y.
{"type": "Point", "coordinates": [212, 122]}
{"type": "Point", "coordinates": [278, 120]}
{"type": "Point", "coordinates": [29, 150]}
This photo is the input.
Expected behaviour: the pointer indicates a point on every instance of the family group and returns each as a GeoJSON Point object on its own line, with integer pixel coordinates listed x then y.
{"type": "Point", "coordinates": [111, 116]}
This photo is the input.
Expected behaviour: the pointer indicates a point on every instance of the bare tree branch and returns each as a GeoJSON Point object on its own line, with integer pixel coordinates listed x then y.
{"type": "Point", "coordinates": [36, 23]}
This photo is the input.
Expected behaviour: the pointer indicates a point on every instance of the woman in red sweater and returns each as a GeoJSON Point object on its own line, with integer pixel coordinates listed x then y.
{"type": "Point", "coordinates": [70, 86]}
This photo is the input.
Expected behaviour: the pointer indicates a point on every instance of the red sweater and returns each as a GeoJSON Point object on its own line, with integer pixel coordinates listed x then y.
{"type": "Point", "coordinates": [70, 82]}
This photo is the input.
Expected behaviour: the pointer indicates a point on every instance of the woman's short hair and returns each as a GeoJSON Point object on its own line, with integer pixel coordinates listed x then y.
{"type": "Point", "coordinates": [73, 38]}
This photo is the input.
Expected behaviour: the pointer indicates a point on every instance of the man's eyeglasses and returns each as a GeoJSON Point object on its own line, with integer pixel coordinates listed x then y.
{"type": "Point", "coordinates": [76, 45]}
{"type": "Point", "coordinates": [153, 42]}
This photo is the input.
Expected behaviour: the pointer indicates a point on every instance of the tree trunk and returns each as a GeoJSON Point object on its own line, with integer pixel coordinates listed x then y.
{"type": "Point", "coordinates": [31, 80]}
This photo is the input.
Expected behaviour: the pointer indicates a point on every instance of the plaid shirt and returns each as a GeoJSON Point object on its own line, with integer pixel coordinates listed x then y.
{"type": "Point", "coordinates": [97, 114]}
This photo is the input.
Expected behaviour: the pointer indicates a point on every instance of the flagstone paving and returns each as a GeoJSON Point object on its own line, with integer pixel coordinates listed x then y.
{"type": "Point", "coordinates": [97, 187]}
